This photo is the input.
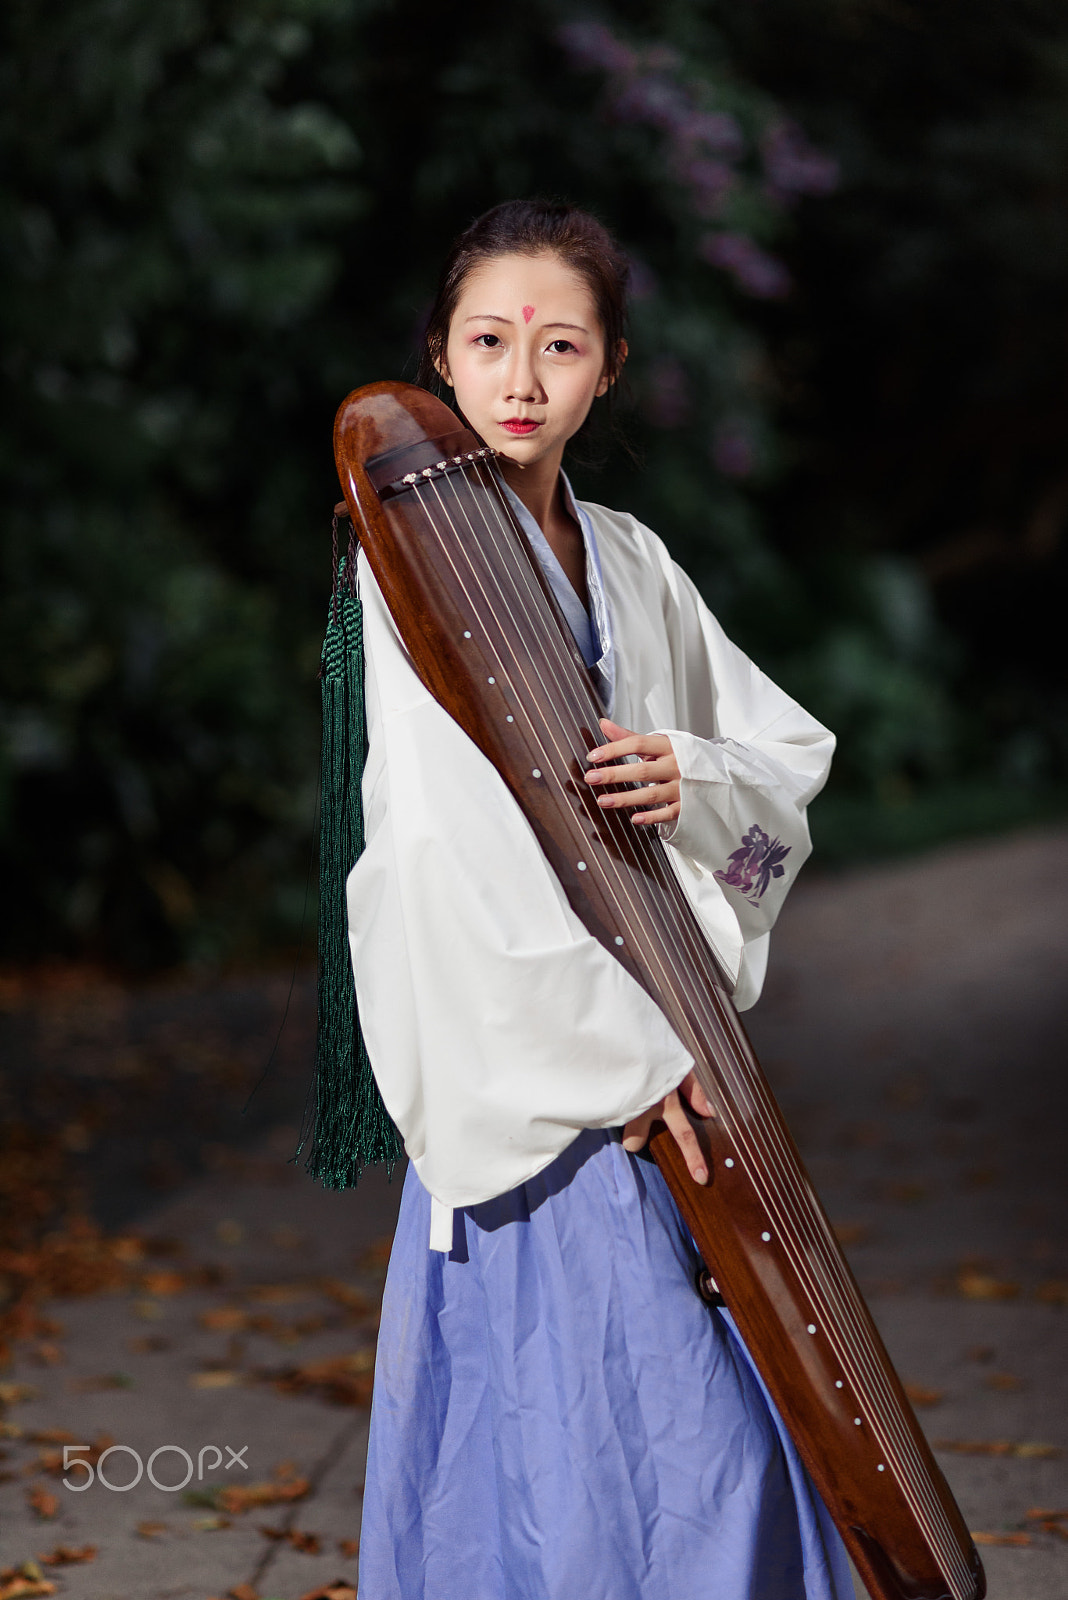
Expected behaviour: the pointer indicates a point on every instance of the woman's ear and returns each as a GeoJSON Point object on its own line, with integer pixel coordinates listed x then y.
{"type": "Point", "coordinates": [441, 367]}
{"type": "Point", "coordinates": [608, 378]}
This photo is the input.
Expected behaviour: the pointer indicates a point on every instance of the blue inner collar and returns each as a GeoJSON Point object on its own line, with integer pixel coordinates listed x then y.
{"type": "Point", "coordinates": [591, 629]}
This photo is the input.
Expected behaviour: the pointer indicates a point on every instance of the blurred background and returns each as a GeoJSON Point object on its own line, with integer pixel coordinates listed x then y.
{"type": "Point", "coordinates": [846, 412]}
{"type": "Point", "coordinates": [848, 221]}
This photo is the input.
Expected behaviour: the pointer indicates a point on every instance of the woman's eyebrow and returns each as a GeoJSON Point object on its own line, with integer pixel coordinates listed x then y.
{"type": "Point", "coordinates": [490, 316]}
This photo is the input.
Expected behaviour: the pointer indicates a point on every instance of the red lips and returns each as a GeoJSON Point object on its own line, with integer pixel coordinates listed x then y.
{"type": "Point", "coordinates": [520, 425]}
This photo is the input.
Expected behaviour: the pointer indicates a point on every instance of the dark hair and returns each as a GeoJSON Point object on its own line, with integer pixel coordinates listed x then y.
{"type": "Point", "coordinates": [531, 228]}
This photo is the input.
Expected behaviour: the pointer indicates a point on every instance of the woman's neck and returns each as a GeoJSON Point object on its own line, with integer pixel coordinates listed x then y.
{"type": "Point", "coordinates": [538, 486]}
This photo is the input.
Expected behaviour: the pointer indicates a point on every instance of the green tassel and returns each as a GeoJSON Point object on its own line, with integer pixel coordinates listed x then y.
{"type": "Point", "coordinates": [349, 1128]}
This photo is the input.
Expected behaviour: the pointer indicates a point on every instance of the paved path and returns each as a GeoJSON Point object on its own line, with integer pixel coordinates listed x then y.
{"type": "Point", "coordinates": [914, 1029]}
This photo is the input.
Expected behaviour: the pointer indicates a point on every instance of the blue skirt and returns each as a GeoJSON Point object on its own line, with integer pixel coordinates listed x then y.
{"type": "Point", "coordinates": [557, 1414]}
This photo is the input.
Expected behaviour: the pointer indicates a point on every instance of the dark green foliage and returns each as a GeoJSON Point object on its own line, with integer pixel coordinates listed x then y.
{"type": "Point", "coordinates": [215, 220]}
{"type": "Point", "coordinates": [172, 218]}
{"type": "Point", "coordinates": [924, 369]}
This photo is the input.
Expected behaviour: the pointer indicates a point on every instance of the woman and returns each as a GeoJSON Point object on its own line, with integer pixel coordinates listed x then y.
{"type": "Point", "coordinates": [556, 1411]}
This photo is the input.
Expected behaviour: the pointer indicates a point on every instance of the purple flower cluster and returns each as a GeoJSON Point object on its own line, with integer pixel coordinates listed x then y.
{"type": "Point", "coordinates": [644, 87]}
{"type": "Point", "coordinates": [792, 167]}
{"type": "Point", "coordinates": [753, 269]}
{"type": "Point", "coordinates": [709, 182]}
{"type": "Point", "coordinates": [704, 148]}
{"type": "Point", "coordinates": [591, 44]}
{"type": "Point", "coordinates": [753, 866]}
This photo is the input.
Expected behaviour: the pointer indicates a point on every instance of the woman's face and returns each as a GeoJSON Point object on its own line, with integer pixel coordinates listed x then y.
{"type": "Point", "coordinates": [525, 355]}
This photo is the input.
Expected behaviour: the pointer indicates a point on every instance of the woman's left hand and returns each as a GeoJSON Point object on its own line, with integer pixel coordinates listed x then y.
{"type": "Point", "coordinates": [672, 1111]}
{"type": "Point", "coordinates": [657, 772]}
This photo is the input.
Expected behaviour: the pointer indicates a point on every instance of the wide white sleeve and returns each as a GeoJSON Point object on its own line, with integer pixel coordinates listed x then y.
{"type": "Point", "coordinates": [497, 1027]}
{"type": "Point", "coordinates": [751, 759]}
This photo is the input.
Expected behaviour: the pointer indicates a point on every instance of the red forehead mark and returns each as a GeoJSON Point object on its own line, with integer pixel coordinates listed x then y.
{"type": "Point", "coordinates": [528, 312]}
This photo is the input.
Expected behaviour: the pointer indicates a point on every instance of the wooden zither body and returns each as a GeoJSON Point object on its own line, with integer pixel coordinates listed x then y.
{"type": "Point", "coordinates": [486, 637]}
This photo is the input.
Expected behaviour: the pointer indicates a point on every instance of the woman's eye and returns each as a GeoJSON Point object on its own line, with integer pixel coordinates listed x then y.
{"type": "Point", "coordinates": [488, 341]}
{"type": "Point", "coordinates": [561, 347]}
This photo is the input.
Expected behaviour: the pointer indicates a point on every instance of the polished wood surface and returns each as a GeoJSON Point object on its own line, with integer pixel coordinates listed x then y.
{"type": "Point", "coordinates": [486, 637]}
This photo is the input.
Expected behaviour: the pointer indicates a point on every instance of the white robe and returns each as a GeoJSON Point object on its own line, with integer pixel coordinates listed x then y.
{"type": "Point", "coordinates": [497, 1027]}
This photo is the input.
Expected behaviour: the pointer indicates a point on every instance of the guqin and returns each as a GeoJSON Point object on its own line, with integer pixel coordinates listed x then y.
{"type": "Point", "coordinates": [487, 639]}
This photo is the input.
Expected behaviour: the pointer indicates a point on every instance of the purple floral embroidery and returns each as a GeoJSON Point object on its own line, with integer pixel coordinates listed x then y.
{"type": "Point", "coordinates": [755, 864]}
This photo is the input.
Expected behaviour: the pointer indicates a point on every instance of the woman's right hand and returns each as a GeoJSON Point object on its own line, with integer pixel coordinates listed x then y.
{"type": "Point", "coordinates": [672, 1111]}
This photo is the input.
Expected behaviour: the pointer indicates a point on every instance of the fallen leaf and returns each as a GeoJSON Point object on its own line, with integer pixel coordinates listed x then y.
{"type": "Point", "coordinates": [346, 1380]}
{"type": "Point", "coordinates": [224, 1319]}
{"type": "Point", "coordinates": [347, 1295]}
{"type": "Point", "coordinates": [12, 1393]}
{"type": "Point", "coordinates": [18, 1583]}
{"type": "Point", "coordinates": [1054, 1292]}
{"type": "Point", "coordinates": [262, 1322]}
{"type": "Point", "coordinates": [1001, 1538]}
{"type": "Point", "coordinates": [128, 1248]}
{"type": "Point", "coordinates": [207, 1496]}
{"type": "Point", "coordinates": [349, 1547]}
{"type": "Point", "coordinates": [1006, 1382]}
{"type": "Point", "coordinates": [163, 1283]}
{"type": "Point", "coordinates": [52, 1460]}
{"type": "Point", "coordinates": [65, 1555]}
{"type": "Point", "coordinates": [75, 1259]}
{"type": "Point", "coordinates": [48, 1355]}
{"type": "Point", "coordinates": [340, 1589]}
{"type": "Point", "coordinates": [43, 1501]}
{"type": "Point", "coordinates": [210, 1524]}
{"type": "Point", "coordinates": [52, 1436]}
{"type": "Point", "coordinates": [999, 1447]}
{"type": "Point", "coordinates": [215, 1380]}
{"type": "Point", "coordinates": [242, 1591]}
{"type": "Point", "coordinates": [309, 1544]}
{"type": "Point", "coordinates": [1055, 1522]}
{"type": "Point", "coordinates": [976, 1285]}
{"type": "Point", "coordinates": [237, 1498]}
{"type": "Point", "coordinates": [922, 1396]}
{"type": "Point", "coordinates": [278, 1294]}
{"type": "Point", "coordinates": [152, 1530]}
{"type": "Point", "coordinates": [981, 1352]}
